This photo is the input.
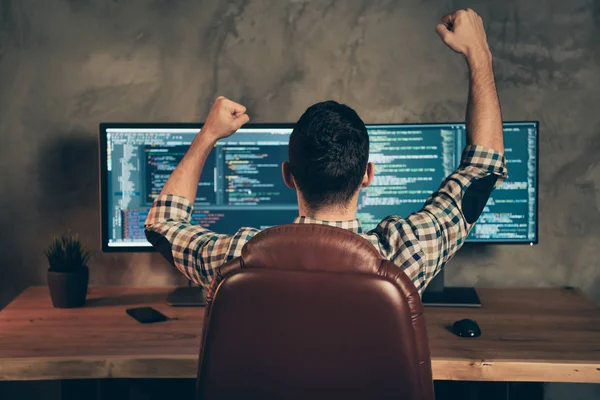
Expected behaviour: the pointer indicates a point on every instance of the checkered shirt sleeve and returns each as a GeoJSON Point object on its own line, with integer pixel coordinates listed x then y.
{"type": "Point", "coordinates": [196, 251]}
{"type": "Point", "coordinates": [422, 243]}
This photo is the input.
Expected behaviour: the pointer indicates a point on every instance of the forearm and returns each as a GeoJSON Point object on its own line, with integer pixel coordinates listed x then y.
{"type": "Point", "coordinates": [186, 176]}
{"type": "Point", "coordinates": [448, 216]}
{"type": "Point", "coordinates": [484, 118]}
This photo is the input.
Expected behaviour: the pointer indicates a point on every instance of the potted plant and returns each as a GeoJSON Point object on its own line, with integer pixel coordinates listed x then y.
{"type": "Point", "coordinates": [68, 274]}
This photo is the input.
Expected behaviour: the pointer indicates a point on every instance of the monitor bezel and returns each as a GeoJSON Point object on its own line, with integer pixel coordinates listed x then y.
{"type": "Point", "coordinates": [190, 125]}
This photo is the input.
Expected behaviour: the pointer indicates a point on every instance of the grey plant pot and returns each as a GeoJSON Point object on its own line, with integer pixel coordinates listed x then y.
{"type": "Point", "coordinates": [68, 289]}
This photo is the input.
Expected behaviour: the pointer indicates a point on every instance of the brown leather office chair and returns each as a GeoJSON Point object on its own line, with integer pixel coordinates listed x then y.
{"type": "Point", "coordinates": [313, 312]}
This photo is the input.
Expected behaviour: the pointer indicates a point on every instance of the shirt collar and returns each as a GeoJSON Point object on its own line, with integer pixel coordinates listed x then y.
{"type": "Point", "coordinates": [352, 225]}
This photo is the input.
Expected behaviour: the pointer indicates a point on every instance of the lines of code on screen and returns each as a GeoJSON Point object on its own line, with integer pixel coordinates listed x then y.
{"type": "Point", "coordinates": [241, 183]}
{"type": "Point", "coordinates": [410, 163]}
{"type": "Point", "coordinates": [161, 160]}
{"type": "Point", "coordinates": [253, 175]}
{"type": "Point", "coordinates": [511, 212]}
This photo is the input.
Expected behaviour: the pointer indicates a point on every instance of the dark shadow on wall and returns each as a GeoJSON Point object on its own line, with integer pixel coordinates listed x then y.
{"type": "Point", "coordinates": [60, 195]}
{"type": "Point", "coordinates": [68, 173]}
{"type": "Point", "coordinates": [68, 200]}
{"type": "Point", "coordinates": [63, 194]}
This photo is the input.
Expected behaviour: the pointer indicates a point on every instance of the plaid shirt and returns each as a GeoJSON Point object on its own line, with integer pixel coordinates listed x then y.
{"type": "Point", "coordinates": [421, 244]}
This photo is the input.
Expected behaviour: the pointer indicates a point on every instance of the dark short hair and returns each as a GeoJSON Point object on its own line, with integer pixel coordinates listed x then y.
{"type": "Point", "coordinates": [329, 152]}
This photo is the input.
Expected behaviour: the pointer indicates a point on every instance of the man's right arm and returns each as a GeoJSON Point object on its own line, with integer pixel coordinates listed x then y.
{"type": "Point", "coordinates": [434, 234]}
{"type": "Point", "coordinates": [194, 250]}
{"type": "Point", "coordinates": [463, 32]}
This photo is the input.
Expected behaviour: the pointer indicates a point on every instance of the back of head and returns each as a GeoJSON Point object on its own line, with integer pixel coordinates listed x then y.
{"type": "Point", "coordinates": [329, 152]}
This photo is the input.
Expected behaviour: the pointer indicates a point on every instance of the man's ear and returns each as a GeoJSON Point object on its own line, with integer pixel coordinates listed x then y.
{"type": "Point", "coordinates": [288, 178]}
{"type": "Point", "coordinates": [369, 174]}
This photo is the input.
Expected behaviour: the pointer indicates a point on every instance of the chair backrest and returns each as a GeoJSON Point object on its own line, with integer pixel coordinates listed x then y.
{"type": "Point", "coordinates": [310, 312]}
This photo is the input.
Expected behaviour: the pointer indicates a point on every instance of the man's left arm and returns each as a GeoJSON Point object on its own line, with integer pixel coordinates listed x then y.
{"type": "Point", "coordinates": [426, 240]}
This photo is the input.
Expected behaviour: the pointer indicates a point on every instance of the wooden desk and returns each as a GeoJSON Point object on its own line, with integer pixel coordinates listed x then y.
{"type": "Point", "coordinates": [535, 335]}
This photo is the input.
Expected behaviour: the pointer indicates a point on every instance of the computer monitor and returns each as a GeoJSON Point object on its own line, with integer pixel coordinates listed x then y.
{"type": "Point", "coordinates": [241, 184]}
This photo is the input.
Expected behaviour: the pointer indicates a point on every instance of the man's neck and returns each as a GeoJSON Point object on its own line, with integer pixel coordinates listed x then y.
{"type": "Point", "coordinates": [333, 213]}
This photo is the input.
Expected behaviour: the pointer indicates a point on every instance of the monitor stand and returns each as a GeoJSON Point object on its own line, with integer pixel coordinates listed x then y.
{"type": "Point", "coordinates": [190, 296]}
{"type": "Point", "coordinates": [438, 295]}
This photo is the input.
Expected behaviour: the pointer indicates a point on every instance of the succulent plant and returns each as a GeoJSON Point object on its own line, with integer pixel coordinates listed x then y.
{"type": "Point", "coordinates": [67, 254]}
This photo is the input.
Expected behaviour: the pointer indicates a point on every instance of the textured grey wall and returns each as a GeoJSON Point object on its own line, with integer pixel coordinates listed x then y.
{"type": "Point", "coordinates": [66, 65]}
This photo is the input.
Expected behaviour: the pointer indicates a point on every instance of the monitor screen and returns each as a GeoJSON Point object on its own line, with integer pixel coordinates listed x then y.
{"type": "Point", "coordinates": [241, 184]}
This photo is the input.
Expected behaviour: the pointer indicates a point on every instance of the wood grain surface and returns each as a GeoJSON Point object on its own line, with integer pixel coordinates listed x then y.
{"type": "Point", "coordinates": [536, 335]}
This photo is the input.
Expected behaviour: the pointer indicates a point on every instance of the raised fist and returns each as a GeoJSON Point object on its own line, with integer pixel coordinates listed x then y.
{"type": "Point", "coordinates": [463, 32]}
{"type": "Point", "coordinates": [225, 117]}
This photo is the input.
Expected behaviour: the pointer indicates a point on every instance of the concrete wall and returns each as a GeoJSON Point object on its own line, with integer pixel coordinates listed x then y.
{"type": "Point", "coordinates": [66, 65]}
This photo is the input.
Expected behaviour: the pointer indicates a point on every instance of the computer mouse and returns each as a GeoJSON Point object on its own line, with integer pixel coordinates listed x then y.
{"type": "Point", "coordinates": [466, 328]}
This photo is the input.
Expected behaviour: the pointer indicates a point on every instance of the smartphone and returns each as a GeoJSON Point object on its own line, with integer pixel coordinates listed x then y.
{"type": "Point", "coordinates": [146, 315]}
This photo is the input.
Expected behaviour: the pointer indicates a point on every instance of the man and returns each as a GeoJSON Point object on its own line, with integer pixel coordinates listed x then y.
{"type": "Point", "coordinates": [328, 165]}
